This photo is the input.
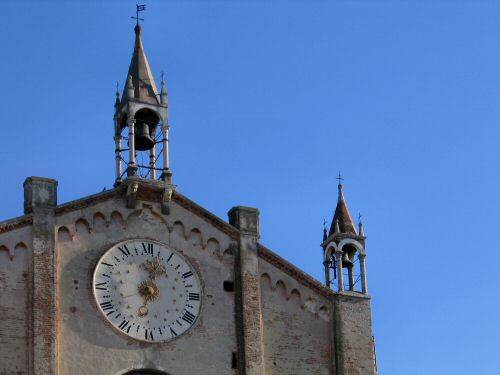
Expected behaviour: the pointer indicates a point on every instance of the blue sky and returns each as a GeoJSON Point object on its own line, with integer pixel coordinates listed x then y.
{"type": "Point", "coordinates": [268, 101]}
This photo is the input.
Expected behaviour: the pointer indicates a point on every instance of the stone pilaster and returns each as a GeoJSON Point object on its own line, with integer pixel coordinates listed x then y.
{"type": "Point", "coordinates": [248, 296]}
{"type": "Point", "coordinates": [354, 351]}
{"type": "Point", "coordinates": [40, 200]}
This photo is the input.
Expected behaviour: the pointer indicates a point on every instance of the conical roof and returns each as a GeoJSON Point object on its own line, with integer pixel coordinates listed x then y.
{"type": "Point", "coordinates": [142, 78]}
{"type": "Point", "coordinates": [342, 221]}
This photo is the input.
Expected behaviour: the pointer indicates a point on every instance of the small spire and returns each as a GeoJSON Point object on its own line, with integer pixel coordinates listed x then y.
{"type": "Point", "coordinates": [117, 100]}
{"type": "Point", "coordinates": [360, 226]}
{"type": "Point", "coordinates": [325, 231]}
{"type": "Point", "coordinates": [129, 89]}
{"type": "Point", "coordinates": [337, 228]}
{"type": "Point", "coordinates": [163, 92]}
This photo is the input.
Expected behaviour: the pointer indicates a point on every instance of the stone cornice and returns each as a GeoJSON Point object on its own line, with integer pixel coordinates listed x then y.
{"type": "Point", "coordinates": [294, 272]}
{"type": "Point", "coordinates": [151, 193]}
{"type": "Point", "coordinates": [217, 222]}
{"type": "Point", "coordinates": [91, 200]}
{"type": "Point", "coordinates": [16, 223]}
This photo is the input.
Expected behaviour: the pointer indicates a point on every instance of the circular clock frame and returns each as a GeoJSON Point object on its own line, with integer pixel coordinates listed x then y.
{"type": "Point", "coordinates": [147, 290]}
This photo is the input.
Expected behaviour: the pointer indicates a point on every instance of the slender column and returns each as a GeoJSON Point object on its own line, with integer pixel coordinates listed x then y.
{"type": "Point", "coordinates": [132, 166]}
{"type": "Point", "coordinates": [362, 266]}
{"type": "Point", "coordinates": [328, 281]}
{"type": "Point", "coordinates": [152, 158]}
{"type": "Point", "coordinates": [340, 274]}
{"type": "Point", "coordinates": [118, 158]}
{"type": "Point", "coordinates": [350, 270]}
{"type": "Point", "coordinates": [166, 160]}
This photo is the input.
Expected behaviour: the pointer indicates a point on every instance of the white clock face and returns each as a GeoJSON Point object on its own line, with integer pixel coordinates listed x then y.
{"type": "Point", "coordinates": [147, 291]}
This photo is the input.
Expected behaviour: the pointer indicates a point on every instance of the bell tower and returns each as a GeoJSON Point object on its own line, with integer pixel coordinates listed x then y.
{"type": "Point", "coordinates": [141, 123]}
{"type": "Point", "coordinates": [345, 272]}
{"type": "Point", "coordinates": [344, 250]}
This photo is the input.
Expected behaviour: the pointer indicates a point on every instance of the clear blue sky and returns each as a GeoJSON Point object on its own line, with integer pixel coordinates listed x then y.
{"type": "Point", "coordinates": [268, 101]}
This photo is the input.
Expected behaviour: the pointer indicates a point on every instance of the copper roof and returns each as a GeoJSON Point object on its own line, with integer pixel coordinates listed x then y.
{"type": "Point", "coordinates": [342, 217]}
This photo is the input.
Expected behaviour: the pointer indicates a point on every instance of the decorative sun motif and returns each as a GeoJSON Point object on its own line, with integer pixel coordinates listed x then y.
{"type": "Point", "coordinates": [154, 267]}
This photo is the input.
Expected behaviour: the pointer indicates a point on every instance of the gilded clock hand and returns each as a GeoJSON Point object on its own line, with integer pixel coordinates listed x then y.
{"type": "Point", "coordinates": [154, 267]}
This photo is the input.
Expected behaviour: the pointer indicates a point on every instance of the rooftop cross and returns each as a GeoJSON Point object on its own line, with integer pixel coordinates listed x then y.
{"type": "Point", "coordinates": [138, 8]}
{"type": "Point", "coordinates": [340, 178]}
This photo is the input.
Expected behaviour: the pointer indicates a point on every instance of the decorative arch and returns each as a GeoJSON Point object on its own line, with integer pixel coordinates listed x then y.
{"type": "Point", "coordinates": [82, 226]}
{"type": "Point", "coordinates": [330, 248]}
{"type": "Point", "coordinates": [63, 234]}
{"type": "Point", "coordinates": [354, 243]}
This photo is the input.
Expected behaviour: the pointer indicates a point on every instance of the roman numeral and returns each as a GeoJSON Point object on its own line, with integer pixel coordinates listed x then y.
{"type": "Point", "coordinates": [124, 325]}
{"type": "Point", "coordinates": [148, 335]}
{"type": "Point", "coordinates": [106, 276]}
{"type": "Point", "coordinates": [188, 317]}
{"type": "Point", "coordinates": [194, 296]}
{"type": "Point", "coordinates": [170, 257]}
{"type": "Point", "coordinates": [148, 248]}
{"type": "Point", "coordinates": [100, 286]}
{"type": "Point", "coordinates": [124, 250]}
{"type": "Point", "coordinates": [174, 334]}
{"type": "Point", "coordinates": [107, 305]}
{"type": "Point", "coordinates": [187, 274]}
{"type": "Point", "coordinates": [107, 264]}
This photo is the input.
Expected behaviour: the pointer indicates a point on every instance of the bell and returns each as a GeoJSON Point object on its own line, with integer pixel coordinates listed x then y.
{"type": "Point", "coordinates": [346, 262]}
{"type": "Point", "coordinates": [143, 140]}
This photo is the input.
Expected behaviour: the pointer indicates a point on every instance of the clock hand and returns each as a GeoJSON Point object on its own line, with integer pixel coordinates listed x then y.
{"type": "Point", "coordinates": [130, 295]}
{"type": "Point", "coordinates": [154, 267]}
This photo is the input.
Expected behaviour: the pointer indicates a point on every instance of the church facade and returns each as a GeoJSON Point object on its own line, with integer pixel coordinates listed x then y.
{"type": "Point", "coordinates": [140, 279]}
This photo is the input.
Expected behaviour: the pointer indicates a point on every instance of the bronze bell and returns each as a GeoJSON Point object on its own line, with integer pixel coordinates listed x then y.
{"type": "Point", "coordinates": [346, 261]}
{"type": "Point", "coordinates": [143, 140]}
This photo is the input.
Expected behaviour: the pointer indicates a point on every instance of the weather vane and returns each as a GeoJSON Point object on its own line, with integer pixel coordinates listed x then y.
{"type": "Point", "coordinates": [138, 8]}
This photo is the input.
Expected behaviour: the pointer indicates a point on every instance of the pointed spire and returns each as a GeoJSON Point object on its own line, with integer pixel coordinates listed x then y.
{"type": "Point", "coordinates": [325, 231]}
{"type": "Point", "coordinates": [163, 92]}
{"type": "Point", "coordinates": [117, 100]}
{"type": "Point", "coordinates": [361, 231]}
{"type": "Point", "coordinates": [140, 77]}
{"type": "Point", "coordinates": [342, 221]}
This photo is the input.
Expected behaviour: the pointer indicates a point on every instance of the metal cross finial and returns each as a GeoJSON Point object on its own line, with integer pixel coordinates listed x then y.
{"type": "Point", "coordinates": [340, 178]}
{"type": "Point", "coordinates": [138, 8]}
{"type": "Point", "coordinates": [359, 217]}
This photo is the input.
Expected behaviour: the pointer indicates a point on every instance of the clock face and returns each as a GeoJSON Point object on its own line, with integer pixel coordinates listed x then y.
{"type": "Point", "coordinates": [147, 291]}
